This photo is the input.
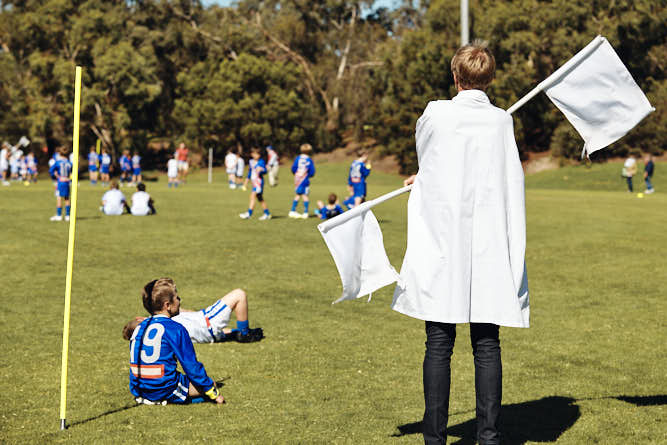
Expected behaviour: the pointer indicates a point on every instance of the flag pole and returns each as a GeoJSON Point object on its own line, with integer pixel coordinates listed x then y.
{"type": "Point", "coordinates": [210, 165]}
{"type": "Point", "coordinates": [70, 250]}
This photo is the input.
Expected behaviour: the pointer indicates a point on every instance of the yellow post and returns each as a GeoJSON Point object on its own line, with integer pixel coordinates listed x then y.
{"type": "Point", "coordinates": [97, 148]}
{"type": "Point", "coordinates": [70, 250]}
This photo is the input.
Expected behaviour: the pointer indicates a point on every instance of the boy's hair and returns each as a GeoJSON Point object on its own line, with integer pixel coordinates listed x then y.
{"type": "Point", "coordinates": [114, 184]}
{"type": "Point", "coordinates": [362, 152]}
{"type": "Point", "coordinates": [156, 293]}
{"type": "Point", "coordinates": [129, 328]}
{"type": "Point", "coordinates": [474, 66]}
{"type": "Point", "coordinates": [63, 150]}
{"type": "Point", "coordinates": [332, 198]}
{"type": "Point", "coordinates": [141, 187]}
{"type": "Point", "coordinates": [92, 148]}
{"type": "Point", "coordinates": [306, 148]}
{"type": "Point", "coordinates": [256, 150]}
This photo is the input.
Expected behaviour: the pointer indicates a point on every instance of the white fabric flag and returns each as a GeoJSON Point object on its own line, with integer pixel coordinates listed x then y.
{"type": "Point", "coordinates": [598, 95]}
{"type": "Point", "coordinates": [355, 241]}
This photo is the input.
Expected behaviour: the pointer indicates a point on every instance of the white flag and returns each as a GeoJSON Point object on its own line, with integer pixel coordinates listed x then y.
{"type": "Point", "coordinates": [355, 241]}
{"type": "Point", "coordinates": [597, 94]}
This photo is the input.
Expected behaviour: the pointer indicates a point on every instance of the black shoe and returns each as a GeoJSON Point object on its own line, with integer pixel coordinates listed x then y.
{"type": "Point", "coordinates": [252, 336]}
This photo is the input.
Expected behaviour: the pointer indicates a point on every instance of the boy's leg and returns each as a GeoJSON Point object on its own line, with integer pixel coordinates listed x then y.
{"type": "Point", "coordinates": [488, 380]}
{"type": "Point", "coordinates": [306, 203]}
{"type": "Point", "coordinates": [440, 338]}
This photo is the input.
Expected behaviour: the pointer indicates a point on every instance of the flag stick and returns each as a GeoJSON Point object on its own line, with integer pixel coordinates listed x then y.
{"type": "Point", "coordinates": [70, 250]}
{"type": "Point", "coordinates": [210, 165]}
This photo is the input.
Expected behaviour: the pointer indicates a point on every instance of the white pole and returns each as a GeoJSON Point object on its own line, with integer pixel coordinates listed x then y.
{"type": "Point", "coordinates": [210, 165]}
{"type": "Point", "coordinates": [465, 34]}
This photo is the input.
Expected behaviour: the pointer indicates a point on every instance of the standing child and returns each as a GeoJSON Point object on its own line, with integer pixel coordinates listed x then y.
{"type": "Point", "coordinates": [648, 173]}
{"type": "Point", "coordinates": [105, 166]}
{"type": "Point", "coordinates": [256, 171]}
{"type": "Point", "coordinates": [136, 168]}
{"type": "Point", "coordinates": [356, 181]}
{"type": "Point", "coordinates": [303, 169]}
{"type": "Point", "coordinates": [93, 161]}
{"type": "Point", "coordinates": [4, 162]}
{"type": "Point", "coordinates": [230, 165]}
{"type": "Point", "coordinates": [172, 171]}
{"type": "Point", "coordinates": [272, 165]}
{"type": "Point", "coordinates": [240, 167]}
{"type": "Point", "coordinates": [31, 162]}
{"type": "Point", "coordinates": [62, 170]}
{"type": "Point", "coordinates": [182, 154]}
{"type": "Point", "coordinates": [23, 169]}
{"type": "Point", "coordinates": [125, 167]}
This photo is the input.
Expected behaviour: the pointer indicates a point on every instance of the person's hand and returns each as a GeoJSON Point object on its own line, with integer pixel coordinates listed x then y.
{"type": "Point", "coordinates": [410, 180]}
{"type": "Point", "coordinates": [220, 400]}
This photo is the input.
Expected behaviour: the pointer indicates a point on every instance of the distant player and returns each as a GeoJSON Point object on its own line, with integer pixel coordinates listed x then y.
{"type": "Point", "coordinates": [330, 210]}
{"type": "Point", "coordinates": [31, 164]}
{"type": "Point", "coordinates": [136, 168]}
{"type": "Point", "coordinates": [105, 167]}
{"type": "Point", "coordinates": [240, 168]}
{"type": "Point", "coordinates": [272, 165]}
{"type": "Point", "coordinates": [209, 325]}
{"type": "Point", "coordinates": [256, 172]}
{"type": "Point", "coordinates": [142, 203]}
{"type": "Point", "coordinates": [172, 171]}
{"type": "Point", "coordinates": [4, 162]}
{"type": "Point", "coordinates": [158, 344]}
{"type": "Point", "coordinates": [356, 181]}
{"type": "Point", "coordinates": [23, 169]}
{"type": "Point", "coordinates": [93, 163]}
{"type": "Point", "coordinates": [230, 166]}
{"type": "Point", "coordinates": [182, 154]}
{"type": "Point", "coordinates": [113, 201]}
{"type": "Point", "coordinates": [125, 168]}
{"type": "Point", "coordinates": [61, 170]}
{"type": "Point", "coordinates": [303, 169]}
{"type": "Point", "coordinates": [15, 162]}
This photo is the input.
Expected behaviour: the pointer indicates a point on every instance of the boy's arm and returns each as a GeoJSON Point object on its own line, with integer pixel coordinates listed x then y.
{"type": "Point", "coordinates": [295, 164]}
{"type": "Point", "coordinates": [311, 169]}
{"type": "Point", "coordinates": [185, 353]}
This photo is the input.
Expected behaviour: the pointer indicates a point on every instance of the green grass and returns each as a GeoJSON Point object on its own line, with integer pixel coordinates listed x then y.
{"type": "Point", "coordinates": [347, 373]}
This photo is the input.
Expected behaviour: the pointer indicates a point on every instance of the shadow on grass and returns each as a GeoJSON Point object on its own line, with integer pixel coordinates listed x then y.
{"type": "Point", "coordinates": [112, 411]}
{"type": "Point", "coordinates": [644, 400]}
{"type": "Point", "coordinates": [542, 420]}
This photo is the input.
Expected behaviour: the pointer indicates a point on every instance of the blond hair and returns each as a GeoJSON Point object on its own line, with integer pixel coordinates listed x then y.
{"type": "Point", "coordinates": [156, 293]}
{"type": "Point", "coordinates": [306, 148]}
{"type": "Point", "coordinates": [474, 66]}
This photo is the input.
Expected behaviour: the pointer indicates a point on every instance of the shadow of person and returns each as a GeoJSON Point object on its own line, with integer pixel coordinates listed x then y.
{"type": "Point", "coordinates": [542, 420]}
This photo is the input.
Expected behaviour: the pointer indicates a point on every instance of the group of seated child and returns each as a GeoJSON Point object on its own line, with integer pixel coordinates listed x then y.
{"type": "Point", "coordinates": [114, 203]}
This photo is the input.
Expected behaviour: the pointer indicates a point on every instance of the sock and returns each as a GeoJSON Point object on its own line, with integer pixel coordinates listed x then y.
{"type": "Point", "coordinates": [169, 184]}
{"type": "Point", "coordinates": [93, 182]}
{"type": "Point", "coordinates": [250, 212]}
{"type": "Point", "coordinates": [67, 210]}
{"type": "Point", "coordinates": [59, 211]}
{"type": "Point", "coordinates": [305, 206]}
{"type": "Point", "coordinates": [266, 211]}
{"type": "Point", "coordinates": [242, 326]}
{"type": "Point", "coordinates": [294, 204]}
{"type": "Point", "coordinates": [175, 184]}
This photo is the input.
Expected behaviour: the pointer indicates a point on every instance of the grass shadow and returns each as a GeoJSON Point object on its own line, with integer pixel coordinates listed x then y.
{"type": "Point", "coordinates": [106, 413]}
{"type": "Point", "coordinates": [542, 420]}
{"type": "Point", "coordinates": [656, 400]}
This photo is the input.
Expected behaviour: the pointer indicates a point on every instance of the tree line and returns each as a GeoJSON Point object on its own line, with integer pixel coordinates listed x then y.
{"type": "Point", "coordinates": [156, 72]}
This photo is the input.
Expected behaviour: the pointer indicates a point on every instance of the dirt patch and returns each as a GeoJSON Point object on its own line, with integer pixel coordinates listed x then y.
{"type": "Point", "coordinates": [538, 162]}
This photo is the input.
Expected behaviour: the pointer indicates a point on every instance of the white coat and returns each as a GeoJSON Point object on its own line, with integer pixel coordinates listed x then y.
{"type": "Point", "coordinates": [466, 218]}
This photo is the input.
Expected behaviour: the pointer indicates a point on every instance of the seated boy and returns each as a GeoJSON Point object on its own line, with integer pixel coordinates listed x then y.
{"type": "Point", "coordinates": [331, 209]}
{"type": "Point", "coordinates": [210, 325]}
{"type": "Point", "coordinates": [155, 347]}
{"type": "Point", "coordinates": [113, 201]}
{"type": "Point", "coordinates": [142, 203]}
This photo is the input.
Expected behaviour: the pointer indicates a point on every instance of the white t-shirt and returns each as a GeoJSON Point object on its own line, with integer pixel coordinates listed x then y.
{"type": "Point", "coordinates": [3, 159]}
{"type": "Point", "coordinates": [230, 163]}
{"type": "Point", "coordinates": [629, 162]}
{"type": "Point", "coordinates": [172, 168]}
{"type": "Point", "coordinates": [140, 204]}
{"type": "Point", "coordinates": [240, 166]}
{"type": "Point", "coordinates": [113, 202]}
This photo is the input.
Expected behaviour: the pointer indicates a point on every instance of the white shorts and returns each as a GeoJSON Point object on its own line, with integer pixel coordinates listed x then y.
{"type": "Point", "coordinates": [206, 326]}
{"type": "Point", "coordinates": [3, 166]}
{"type": "Point", "coordinates": [231, 171]}
{"type": "Point", "coordinates": [183, 165]}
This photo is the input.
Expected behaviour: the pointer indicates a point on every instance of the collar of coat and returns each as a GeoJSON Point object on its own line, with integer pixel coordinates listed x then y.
{"type": "Point", "coordinates": [471, 96]}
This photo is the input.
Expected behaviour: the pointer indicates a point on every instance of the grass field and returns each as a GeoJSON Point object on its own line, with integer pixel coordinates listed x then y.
{"type": "Point", "coordinates": [591, 369]}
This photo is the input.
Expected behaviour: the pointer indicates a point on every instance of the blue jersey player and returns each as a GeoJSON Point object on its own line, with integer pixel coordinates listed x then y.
{"type": "Point", "coordinates": [303, 169]}
{"type": "Point", "coordinates": [125, 167]}
{"type": "Point", "coordinates": [93, 161]}
{"type": "Point", "coordinates": [61, 170]}
{"type": "Point", "coordinates": [256, 172]}
{"type": "Point", "coordinates": [155, 348]}
{"type": "Point", "coordinates": [356, 181]}
{"type": "Point", "coordinates": [330, 210]}
{"type": "Point", "coordinates": [105, 166]}
{"type": "Point", "coordinates": [136, 168]}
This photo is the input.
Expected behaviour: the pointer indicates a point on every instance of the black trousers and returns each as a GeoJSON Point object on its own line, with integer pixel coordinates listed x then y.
{"type": "Point", "coordinates": [440, 339]}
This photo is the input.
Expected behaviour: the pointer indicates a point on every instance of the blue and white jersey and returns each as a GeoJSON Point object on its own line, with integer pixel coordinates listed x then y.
{"type": "Point", "coordinates": [357, 177]}
{"type": "Point", "coordinates": [153, 356]}
{"type": "Point", "coordinates": [93, 159]}
{"type": "Point", "coordinates": [326, 212]}
{"type": "Point", "coordinates": [256, 171]}
{"type": "Point", "coordinates": [136, 162]}
{"type": "Point", "coordinates": [32, 163]}
{"type": "Point", "coordinates": [125, 163]}
{"type": "Point", "coordinates": [61, 170]}
{"type": "Point", "coordinates": [105, 159]}
{"type": "Point", "coordinates": [303, 169]}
